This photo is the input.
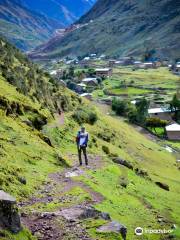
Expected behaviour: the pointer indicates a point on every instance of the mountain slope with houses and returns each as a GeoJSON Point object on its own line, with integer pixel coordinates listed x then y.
{"type": "Point", "coordinates": [117, 28]}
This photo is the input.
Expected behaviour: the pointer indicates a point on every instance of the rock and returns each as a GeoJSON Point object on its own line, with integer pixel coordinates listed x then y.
{"type": "Point", "coordinates": [162, 185]}
{"type": "Point", "coordinates": [174, 226]}
{"type": "Point", "coordinates": [123, 162]}
{"type": "Point", "coordinates": [22, 180]}
{"type": "Point", "coordinates": [9, 217]}
{"type": "Point", "coordinates": [91, 212]}
{"type": "Point", "coordinates": [160, 220]}
{"type": "Point", "coordinates": [114, 227]}
{"type": "Point", "coordinates": [142, 173]}
{"type": "Point", "coordinates": [105, 216]}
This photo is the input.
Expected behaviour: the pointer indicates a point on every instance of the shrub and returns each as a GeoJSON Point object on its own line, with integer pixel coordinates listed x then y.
{"type": "Point", "coordinates": [120, 107]}
{"type": "Point", "coordinates": [92, 117]}
{"type": "Point", "coordinates": [132, 115]}
{"type": "Point", "coordinates": [105, 149]}
{"type": "Point", "coordinates": [85, 115]}
{"type": "Point", "coordinates": [155, 122]}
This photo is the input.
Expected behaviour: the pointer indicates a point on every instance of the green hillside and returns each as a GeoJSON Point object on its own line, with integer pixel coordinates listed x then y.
{"type": "Point", "coordinates": [121, 28]}
{"type": "Point", "coordinates": [39, 145]}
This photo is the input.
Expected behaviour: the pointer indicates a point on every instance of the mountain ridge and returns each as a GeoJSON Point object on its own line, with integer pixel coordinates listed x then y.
{"type": "Point", "coordinates": [28, 24]}
{"type": "Point", "coordinates": [24, 27]}
{"type": "Point", "coordinates": [120, 28]}
{"type": "Point", "coordinates": [64, 11]}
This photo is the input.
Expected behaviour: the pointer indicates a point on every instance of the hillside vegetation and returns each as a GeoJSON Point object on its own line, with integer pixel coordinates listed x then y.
{"type": "Point", "coordinates": [118, 28]}
{"type": "Point", "coordinates": [34, 144]}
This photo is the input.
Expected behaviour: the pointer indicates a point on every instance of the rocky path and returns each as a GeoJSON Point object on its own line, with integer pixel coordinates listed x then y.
{"type": "Point", "coordinates": [65, 221]}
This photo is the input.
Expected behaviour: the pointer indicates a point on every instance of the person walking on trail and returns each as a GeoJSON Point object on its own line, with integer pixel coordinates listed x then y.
{"type": "Point", "coordinates": [82, 141]}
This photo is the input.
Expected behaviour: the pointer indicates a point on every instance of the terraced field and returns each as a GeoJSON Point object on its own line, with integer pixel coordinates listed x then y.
{"type": "Point", "coordinates": [157, 85]}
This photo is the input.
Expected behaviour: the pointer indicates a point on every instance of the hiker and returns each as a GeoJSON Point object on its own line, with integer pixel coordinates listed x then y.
{"type": "Point", "coordinates": [82, 141]}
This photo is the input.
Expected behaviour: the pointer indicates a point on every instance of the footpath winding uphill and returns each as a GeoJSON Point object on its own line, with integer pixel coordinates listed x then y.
{"type": "Point", "coordinates": [66, 219]}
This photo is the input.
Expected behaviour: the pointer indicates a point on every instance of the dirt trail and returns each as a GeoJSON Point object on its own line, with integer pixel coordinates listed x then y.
{"type": "Point", "coordinates": [59, 120]}
{"type": "Point", "coordinates": [65, 222]}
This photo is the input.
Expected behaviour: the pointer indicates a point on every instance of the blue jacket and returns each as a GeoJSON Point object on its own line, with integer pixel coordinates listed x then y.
{"type": "Point", "coordinates": [82, 139]}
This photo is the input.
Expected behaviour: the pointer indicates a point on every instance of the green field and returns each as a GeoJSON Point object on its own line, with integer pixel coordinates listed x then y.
{"type": "Point", "coordinates": [127, 91]}
{"type": "Point", "coordinates": [158, 85]}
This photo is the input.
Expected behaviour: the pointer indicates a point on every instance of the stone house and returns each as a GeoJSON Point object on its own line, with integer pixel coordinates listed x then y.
{"type": "Point", "coordinates": [161, 113]}
{"type": "Point", "coordinates": [173, 131]}
{"type": "Point", "coordinates": [90, 82]}
{"type": "Point", "coordinates": [103, 72]}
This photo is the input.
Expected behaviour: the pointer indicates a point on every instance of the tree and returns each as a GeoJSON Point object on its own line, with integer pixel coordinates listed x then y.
{"type": "Point", "coordinates": [142, 110]}
{"type": "Point", "coordinates": [132, 115]}
{"type": "Point", "coordinates": [120, 107]}
{"type": "Point", "coordinates": [99, 79]}
{"type": "Point", "coordinates": [71, 85]}
{"type": "Point", "coordinates": [80, 75]}
{"type": "Point", "coordinates": [71, 72]}
{"type": "Point", "coordinates": [91, 72]}
{"type": "Point", "coordinates": [175, 107]}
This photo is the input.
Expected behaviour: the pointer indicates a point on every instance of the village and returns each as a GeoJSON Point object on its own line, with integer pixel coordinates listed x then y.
{"type": "Point", "coordinates": [101, 80]}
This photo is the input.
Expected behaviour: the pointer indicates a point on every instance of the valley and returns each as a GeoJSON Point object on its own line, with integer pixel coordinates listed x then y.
{"type": "Point", "coordinates": [125, 165]}
{"type": "Point", "coordinates": [104, 85]}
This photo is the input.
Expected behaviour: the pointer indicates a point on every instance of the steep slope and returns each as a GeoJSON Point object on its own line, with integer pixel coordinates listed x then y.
{"type": "Point", "coordinates": [37, 148]}
{"type": "Point", "coordinates": [66, 11]}
{"type": "Point", "coordinates": [123, 28]}
{"type": "Point", "coordinates": [28, 99]}
{"type": "Point", "coordinates": [25, 27]}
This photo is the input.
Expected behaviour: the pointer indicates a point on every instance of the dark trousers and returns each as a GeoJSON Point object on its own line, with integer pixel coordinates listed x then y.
{"type": "Point", "coordinates": [80, 150]}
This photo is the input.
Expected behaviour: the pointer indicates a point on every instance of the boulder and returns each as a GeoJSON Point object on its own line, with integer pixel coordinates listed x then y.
{"type": "Point", "coordinates": [123, 162]}
{"type": "Point", "coordinates": [162, 185]}
{"type": "Point", "coordinates": [114, 227]}
{"type": "Point", "coordinates": [91, 212]}
{"type": "Point", "coordinates": [9, 217]}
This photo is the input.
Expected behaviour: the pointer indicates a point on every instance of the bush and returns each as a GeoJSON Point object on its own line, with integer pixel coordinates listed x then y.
{"type": "Point", "coordinates": [132, 115]}
{"type": "Point", "coordinates": [156, 122]}
{"type": "Point", "coordinates": [105, 149]}
{"type": "Point", "coordinates": [120, 107]}
{"type": "Point", "coordinates": [85, 115]}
